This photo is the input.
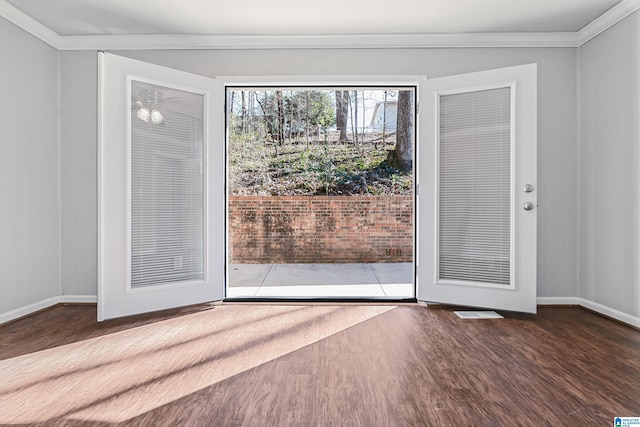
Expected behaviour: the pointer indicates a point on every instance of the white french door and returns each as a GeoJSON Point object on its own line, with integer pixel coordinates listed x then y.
{"type": "Point", "coordinates": [477, 190]}
{"type": "Point", "coordinates": [161, 188]}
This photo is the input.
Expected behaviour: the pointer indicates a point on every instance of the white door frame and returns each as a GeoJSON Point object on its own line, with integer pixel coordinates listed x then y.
{"type": "Point", "coordinates": [343, 82]}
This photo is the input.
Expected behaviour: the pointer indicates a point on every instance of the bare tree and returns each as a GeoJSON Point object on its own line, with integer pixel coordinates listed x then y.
{"type": "Point", "coordinates": [384, 118]}
{"type": "Point", "coordinates": [354, 117]}
{"type": "Point", "coordinates": [357, 140]}
{"type": "Point", "coordinates": [402, 155]}
{"type": "Point", "coordinates": [252, 111]}
{"type": "Point", "coordinates": [268, 114]}
{"type": "Point", "coordinates": [364, 117]}
{"type": "Point", "coordinates": [290, 133]}
{"type": "Point", "coordinates": [243, 119]}
{"type": "Point", "coordinates": [306, 119]}
{"type": "Point", "coordinates": [280, 118]}
{"type": "Point", "coordinates": [342, 113]}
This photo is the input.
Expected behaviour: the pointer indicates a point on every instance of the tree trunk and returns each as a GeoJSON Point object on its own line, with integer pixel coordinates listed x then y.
{"type": "Point", "coordinates": [291, 118]}
{"type": "Point", "coordinates": [354, 121]}
{"type": "Point", "coordinates": [404, 131]}
{"type": "Point", "coordinates": [280, 117]}
{"type": "Point", "coordinates": [243, 114]}
{"type": "Point", "coordinates": [251, 127]}
{"type": "Point", "coordinates": [342, 113]}
{"type": "Point", "coordinates": [384, 118]}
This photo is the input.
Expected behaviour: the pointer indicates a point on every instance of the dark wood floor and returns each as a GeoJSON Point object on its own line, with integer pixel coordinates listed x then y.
{"type": "Point", "coordinates": [318, 365]}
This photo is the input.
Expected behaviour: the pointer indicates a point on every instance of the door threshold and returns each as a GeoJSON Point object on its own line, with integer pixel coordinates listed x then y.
{"type": "Point", "coordinates": [297, 301]}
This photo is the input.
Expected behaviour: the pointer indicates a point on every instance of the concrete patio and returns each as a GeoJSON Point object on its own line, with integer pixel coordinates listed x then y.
{"type": "Point", "coordinates": [379, 281]}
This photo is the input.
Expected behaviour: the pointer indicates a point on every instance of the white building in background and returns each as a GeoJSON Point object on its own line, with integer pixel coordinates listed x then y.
{"type": "Point", "coordinates": [384, 116]}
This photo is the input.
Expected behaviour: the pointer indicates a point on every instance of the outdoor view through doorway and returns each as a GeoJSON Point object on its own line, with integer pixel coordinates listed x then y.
{"type": "Point", "coordinates": [320, 192]}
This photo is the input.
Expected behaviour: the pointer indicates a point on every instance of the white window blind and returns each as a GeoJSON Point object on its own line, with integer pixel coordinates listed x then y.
{"type": "Point", "coordinates": [474, 189]}
{"type": "Point", "coordinates": [167, 185]}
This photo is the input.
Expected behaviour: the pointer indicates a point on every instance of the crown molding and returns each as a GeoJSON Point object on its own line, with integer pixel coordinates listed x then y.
{"type": "Point", "coordinates": [30, 25]}
{"type": "Point", "coordinates": [347, 41]}
{"type": "Point", "coordinates": [607, 20]}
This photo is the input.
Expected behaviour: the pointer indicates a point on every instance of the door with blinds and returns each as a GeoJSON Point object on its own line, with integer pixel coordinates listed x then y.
{"type": "Point", "coordinates": [161, 188]}
{"type": "Point", "coordinates": [477, 190]}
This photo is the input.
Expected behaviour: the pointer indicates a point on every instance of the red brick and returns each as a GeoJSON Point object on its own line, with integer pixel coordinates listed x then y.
{"type": "Point", "coordinates": [294, 229]}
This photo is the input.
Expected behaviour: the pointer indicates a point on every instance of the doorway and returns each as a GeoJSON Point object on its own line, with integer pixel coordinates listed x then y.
{"type": "Point", "coordinates": [320, 192]}
{"type": "Point", "coordinates": [455, 113]}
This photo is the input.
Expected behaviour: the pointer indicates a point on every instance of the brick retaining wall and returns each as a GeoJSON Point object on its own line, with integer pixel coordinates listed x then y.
{"type": "Point", "coordinates": [320, 229]}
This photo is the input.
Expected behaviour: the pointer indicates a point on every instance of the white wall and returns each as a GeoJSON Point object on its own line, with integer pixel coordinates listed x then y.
{"type": "Point", "coordinates": [29, 262]}
{"type": "Point", "coordinates": [79, 201]}
{"type": "Point", "coordinates": [557, 129]}
{"type": "Point", "coordinates": [28, 169]}
{"type": "Point", "coordinates": [609, 68]}
{"type": "Point", "coordinates": [589, 236]}
{"type": "Point", "coordinates": [589, 221]}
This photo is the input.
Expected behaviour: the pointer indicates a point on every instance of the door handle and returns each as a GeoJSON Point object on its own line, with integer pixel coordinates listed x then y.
{"type": "Point", "coordinates": [528, 206]}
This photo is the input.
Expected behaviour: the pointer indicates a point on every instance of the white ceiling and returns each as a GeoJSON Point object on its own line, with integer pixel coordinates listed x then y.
{"type": "Point", "coordinates": [116, 19]}
{"type": "Point", "coordinates": [307, 17]}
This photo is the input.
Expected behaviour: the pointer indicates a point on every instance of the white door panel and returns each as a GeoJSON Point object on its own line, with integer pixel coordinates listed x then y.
{"type": "Point", "coordinates": [160, 189]}
{"type": "Point", "coordinates": [477, 152]}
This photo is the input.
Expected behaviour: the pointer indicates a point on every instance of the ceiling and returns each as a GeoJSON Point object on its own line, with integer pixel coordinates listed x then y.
{"type": "Point", "coordinates": [63, 21]}
{"type": "Point", "coordinates": [297, 17]}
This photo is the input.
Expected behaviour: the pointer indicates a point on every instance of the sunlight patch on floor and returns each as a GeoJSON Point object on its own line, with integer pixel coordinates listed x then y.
{"type": "Point", "coordinates": [116, 377]}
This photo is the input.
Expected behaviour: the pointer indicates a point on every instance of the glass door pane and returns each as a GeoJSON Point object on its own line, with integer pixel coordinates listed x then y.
{"type": "Point", "coordinates": [167, 185]}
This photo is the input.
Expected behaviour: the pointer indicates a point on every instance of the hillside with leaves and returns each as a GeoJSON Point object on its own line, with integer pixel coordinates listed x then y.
{"type": "Point", "coordinates": [319, 169]}
{"type": "Point", "coordinates": [286, 143]}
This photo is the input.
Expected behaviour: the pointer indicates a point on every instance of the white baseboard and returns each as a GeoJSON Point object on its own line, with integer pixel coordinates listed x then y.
{"type": "Point", "coordinates": [611, 312]}
{"type": "Point", "coordinates": [41, 305]}
{"type": "Point", "coordinates": [78, 299]}
{"type": "Point", "coordinates": [593, 306]}
{"type": "Point", "coordinates": [558, 301]}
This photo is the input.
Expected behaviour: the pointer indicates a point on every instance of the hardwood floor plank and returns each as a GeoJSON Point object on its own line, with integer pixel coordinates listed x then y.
{"type": "Point", "coordinates": [317, 365]}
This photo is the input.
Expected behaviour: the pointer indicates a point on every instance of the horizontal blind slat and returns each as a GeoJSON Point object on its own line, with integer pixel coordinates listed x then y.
{"type": "Point", "coordinates": [167, 187]}
{"type": "Point", "coordinates": [474, 195]}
